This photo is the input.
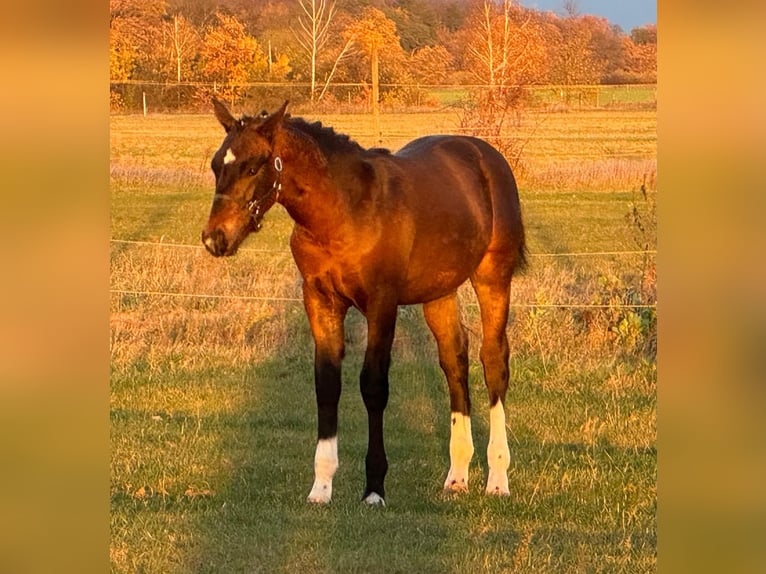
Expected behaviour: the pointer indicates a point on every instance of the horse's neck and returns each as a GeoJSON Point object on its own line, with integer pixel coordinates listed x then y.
{"type": "Point", "coordinates": [315, 203]}
{"type": "Point", "coordinates": [313, 198]}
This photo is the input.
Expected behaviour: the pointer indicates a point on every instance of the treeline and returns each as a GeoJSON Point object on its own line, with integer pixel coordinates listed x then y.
{"type": "Point", "coordinates": [223, 45]}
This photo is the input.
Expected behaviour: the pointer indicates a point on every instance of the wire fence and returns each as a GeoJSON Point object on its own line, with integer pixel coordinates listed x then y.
{"type": "Point", "coordinates": [287, 252]}
{"type": "Point", "coordinates": [276, 299]}
{"type": "Point", "coordinates": [152, 96]}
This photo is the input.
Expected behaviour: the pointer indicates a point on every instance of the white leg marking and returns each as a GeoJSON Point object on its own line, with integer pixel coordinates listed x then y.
{"type": "Point", "coordinates": [229, 157]}
{"type": "Point", "coordinates": [325, 465]}
{"type": "Point", "coordinates": [460, 453]}
{"type": "Point", "coordinates": [498, 455]}
{"type": "Point", "coordinates": [374, 499]}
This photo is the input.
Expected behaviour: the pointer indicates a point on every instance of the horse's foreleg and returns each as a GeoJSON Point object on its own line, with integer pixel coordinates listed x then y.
{"type": "Point", "coordinates": [326, 321]}
{"type": "Point", "coordinates": [443, 318]}
{"type": "Point", "coordinates": [381, 323]}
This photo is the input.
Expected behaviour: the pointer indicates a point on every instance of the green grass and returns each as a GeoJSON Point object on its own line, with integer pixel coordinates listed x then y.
{"type": "Point", "coordinates": [211, 467]}
{"type": "Point", "coordinates": [212, 404]}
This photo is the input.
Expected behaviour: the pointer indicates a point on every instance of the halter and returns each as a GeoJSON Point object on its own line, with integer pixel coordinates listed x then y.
{"type": "Point", "coordinates": [254, 205]}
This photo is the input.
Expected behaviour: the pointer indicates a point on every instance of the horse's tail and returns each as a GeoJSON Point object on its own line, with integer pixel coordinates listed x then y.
{"type": "Point", "coordinates": [504, 192]}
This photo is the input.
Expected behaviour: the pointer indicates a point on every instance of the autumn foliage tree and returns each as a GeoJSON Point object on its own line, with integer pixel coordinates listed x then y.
{"type": "Point", "coordinates": [229, 57]}
{"type": "Point", "coordinates": [431, 64]}
{"type": "Point", "coordinates": [395, 46]}
{"type": "Point", "coordinates": [505, 46]}
{"type": "Point", "coordinates": [641, 55]}
{"type": "Point", "coordinates": [506, 51]}
{"type": "Point", "coordinates": [134, 33]}
{"type": "Point", "coordinates": [377, 39]}
{"type": "Point", "coordinates": [572, 58]}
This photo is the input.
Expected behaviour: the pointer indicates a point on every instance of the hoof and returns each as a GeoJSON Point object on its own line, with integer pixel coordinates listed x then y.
{"type": "Point", "coordinates": [455, 486]}
{"type": "Point", "coordinates": [374, 499]}
{"type": "Point", "coordinates": [497, 491]}
{"type": "Point", "coordinates": [497, 483]}
{"type": "Point", "coordinates": [320, 494]}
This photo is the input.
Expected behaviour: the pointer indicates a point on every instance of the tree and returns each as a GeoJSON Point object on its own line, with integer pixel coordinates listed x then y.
{"type": "Point", "coordinates": [416, 23]}
{"type": "Point", "coordinates": [641, 55]}
{"type": "Point", "coordinates": [605, 45]}
{"type": "Point", "coordinates": [571, 8]}
{"type": "Point", "coordinates": [644, 35]}
{"type": "Point", "coordinates": [505, 46]}
{"type": "Point", "coordinates": [122, 56]}
{"type": "Point", "coordinates": [134, 29]}
{"type": "Point", "coordinates": [344, 51]}
{"type": "Point", "coordinates": [181, 42]}
{"type": "Point", "coordinates": [230, 57]}
{"type": "Point", "coordinates": [313, 33]}
{"type": "Point", "coordinates": [377, 38]}
{"type": "Point", "coordinates": [486, 41]}
{"type": "Point", "coordinates": [431, 64]}
{"type": "Point", "coordinates": [376, 35]}
{"type": "Point", "coordinates": [505, 51]}
{"type": "Point", "coordinates": [572, 58]}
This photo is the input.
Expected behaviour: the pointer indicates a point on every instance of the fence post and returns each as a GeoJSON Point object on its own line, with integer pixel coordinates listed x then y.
{"type": "Point", "coordinates": [376, 96]}
{"type": "Point", "coordinates": [144, 98]}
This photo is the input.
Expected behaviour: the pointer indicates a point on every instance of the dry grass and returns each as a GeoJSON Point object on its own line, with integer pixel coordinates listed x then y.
{"type": "Point", "coordinates": [594, 150]}
{"type": "Point", "coordinates": [232, 324]}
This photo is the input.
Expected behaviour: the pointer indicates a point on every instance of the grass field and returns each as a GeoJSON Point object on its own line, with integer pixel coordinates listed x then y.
{"type": "Point", "coordinates": [212, 407]}
{"type": "Point", "coordinates": [583, 96]}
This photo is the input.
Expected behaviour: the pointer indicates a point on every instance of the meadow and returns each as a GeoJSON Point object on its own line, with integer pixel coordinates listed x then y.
{"type": "Point", "coordinates": [212, 406]}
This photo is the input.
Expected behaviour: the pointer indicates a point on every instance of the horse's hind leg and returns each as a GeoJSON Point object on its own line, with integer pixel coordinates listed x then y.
{"type": "Point", "coordinates": [492, 283]}
{"type": "Point", "coordinates": [442, 317]}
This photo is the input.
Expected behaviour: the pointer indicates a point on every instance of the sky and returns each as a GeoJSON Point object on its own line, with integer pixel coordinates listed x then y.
{"type": "Point", "coordinates": [628, 14]}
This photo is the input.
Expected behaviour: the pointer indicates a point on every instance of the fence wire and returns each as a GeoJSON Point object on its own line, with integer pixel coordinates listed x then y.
{"type": "Point", "coordinates": [272, 299]}
{"type": "Point", "coordinates": [287, 252]}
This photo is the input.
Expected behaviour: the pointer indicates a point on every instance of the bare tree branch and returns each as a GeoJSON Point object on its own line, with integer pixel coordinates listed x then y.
{"type": "Point", "coordinates": [313, 33]}
{"type": "Point", "coordinates": [340, 57]}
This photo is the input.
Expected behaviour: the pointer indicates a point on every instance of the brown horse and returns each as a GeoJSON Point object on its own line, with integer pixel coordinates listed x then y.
{"type": "Point", "coordinates": [376, 230]}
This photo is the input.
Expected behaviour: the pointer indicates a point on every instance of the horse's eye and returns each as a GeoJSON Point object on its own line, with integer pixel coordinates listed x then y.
{"type": "Point", "coordinates": [254, 167]}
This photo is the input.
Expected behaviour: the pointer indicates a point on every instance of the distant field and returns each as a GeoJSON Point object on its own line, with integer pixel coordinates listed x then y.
{"type": "Point", "coordinates": [212, 407]}
{"type": "Point", "coordinates": [582, 96]}
{"type": "Point", "coordinates": [585, 150]}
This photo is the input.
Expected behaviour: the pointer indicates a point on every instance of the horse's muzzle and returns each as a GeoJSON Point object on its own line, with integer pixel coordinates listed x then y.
{"type": "Point", "coordinates": [215, 242]}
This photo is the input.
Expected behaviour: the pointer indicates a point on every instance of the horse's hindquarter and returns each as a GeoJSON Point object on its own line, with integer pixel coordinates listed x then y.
{"type": "Point", "coordinates": [452, 211]}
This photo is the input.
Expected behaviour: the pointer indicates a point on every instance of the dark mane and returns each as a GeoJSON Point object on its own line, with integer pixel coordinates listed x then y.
{"type": "Point", "coordinates": [329, 141]}
{"type": "Point", "coordinates": [327, 138]}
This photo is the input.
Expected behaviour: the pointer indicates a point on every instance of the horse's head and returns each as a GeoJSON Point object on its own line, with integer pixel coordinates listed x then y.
{"type": "Point", "coordinates": [247, 178]}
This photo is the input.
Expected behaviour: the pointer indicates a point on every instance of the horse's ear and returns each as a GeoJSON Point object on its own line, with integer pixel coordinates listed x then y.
{"type": "Point", "coordinates": [223, 115]}
{"type": "Point", "coordinates": [270, 124]}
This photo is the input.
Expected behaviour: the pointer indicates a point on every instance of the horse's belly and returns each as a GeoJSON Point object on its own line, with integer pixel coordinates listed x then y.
{"type": "Point", "coordinates": [433, 277]}
{"type": "Point", "coordinates": [442, 284]}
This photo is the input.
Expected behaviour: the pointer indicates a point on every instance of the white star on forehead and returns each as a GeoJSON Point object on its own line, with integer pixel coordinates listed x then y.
{"type": "Point", "coordinates": [229, 157]}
